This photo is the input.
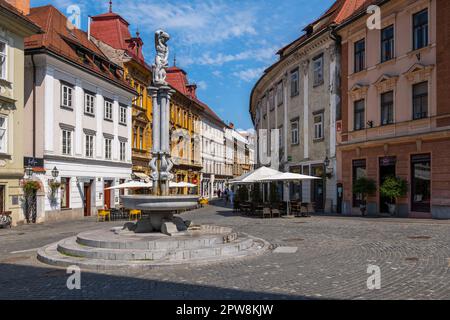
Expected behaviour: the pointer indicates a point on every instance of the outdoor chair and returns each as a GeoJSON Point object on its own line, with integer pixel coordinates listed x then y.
{"type": "Point", "coordinates": [310, 208]}
{"type": "Point", "coordinates": [304, 211]}
{"type": "Point", "coordinates": [276, 212]}
{"type": "Point", "coordinates": [103, 214]}
{"type": "Point", "coordinates": [135, 214]}
{"type": "Point", "coordinates": [266, 213]}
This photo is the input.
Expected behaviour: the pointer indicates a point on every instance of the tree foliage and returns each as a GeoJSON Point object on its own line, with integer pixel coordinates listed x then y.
{"type": "Point", "coordinates": [394, 188]}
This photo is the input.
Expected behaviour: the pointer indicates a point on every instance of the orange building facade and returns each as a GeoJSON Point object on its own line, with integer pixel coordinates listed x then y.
{"type": "Point", "coordinates": [395, 116]}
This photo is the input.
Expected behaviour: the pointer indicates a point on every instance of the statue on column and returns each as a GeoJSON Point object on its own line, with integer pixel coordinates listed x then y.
{"type": "Point", "coordinates": [162, 57]}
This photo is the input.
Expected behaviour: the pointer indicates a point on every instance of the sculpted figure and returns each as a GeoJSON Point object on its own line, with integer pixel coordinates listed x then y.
{"type": "Point", "coordinates": [162, 57]}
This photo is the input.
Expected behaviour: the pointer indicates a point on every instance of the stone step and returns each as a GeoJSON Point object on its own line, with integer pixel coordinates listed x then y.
{"type": "Point", "coordinates": [109, 240]}
{"type": "Point", "coordinates": [71, 247]}
{"type": "Point", "coordinates": [50, 255]}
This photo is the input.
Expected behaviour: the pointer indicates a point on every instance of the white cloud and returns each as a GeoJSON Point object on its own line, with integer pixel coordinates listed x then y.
{"type": "Point", "coordinates": [260, 54]}
{"type": "Point", "coordinates": [249, 75]}
{"type": "Point", "coordinates": [217, 73]}
{"type": "Point", "coordinates": [202, 85]}
{"type": "Point", "coordinates": [197, 22]}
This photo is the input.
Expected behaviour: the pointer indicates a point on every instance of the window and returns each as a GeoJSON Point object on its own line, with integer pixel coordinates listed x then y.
{"type": "Point", "coordinates": [135, 137]}
{"type": "Point", "coordinates": [294, 83]}
{"type": "Point", "coordinates": [387, 108]}
{"type": "Point", "coordinates": [421, 182]}
{"type": "Point", "coordinates": [141, 138]}
{"type": "Point", "coordinates": [318, 127]}
{"type": "Point", "coordinates": [3, 134]}
{"type": "Point", "coordinates": [67, 142]}
{"type": "Point", "coordinates": [108, 149]}
{"type": "Point", "coordinates": [271, 100]}
{"type": "Point", "coordinates": [280, 94]}
{"type": "Point", "coordinates": [108, 110]}
{"type": "Point", "coordinates": [359, 171]}
{"type": "Point", "coordinates": [420, 100]}
{"type": "Point", "coordinates": [89, 103]}
{"type": "Point", "coordinates": [420, 29]}
{"type": "Point", "coordinates": [122, 150]}
{"type": "Point", "coordinates": [123, 115]}
{"type": "Point", "coordinates": [280, 137]}
{"type": "Point", "coordinates": [387, 43]}
{"type": "Point", "coordinates": [360, 53]}
{"type": "Point", "coordinates": [66, 94]}
{"type": "Point", "coordinates": [89, 146]}
{"type": "Point", "coordinates": [359, 115]}
{"type": "Point", "coordinates": [3, 61]}
{"type": "Point", "coordinates": [65, 193]}
{"type": "Point", "coordinates": [294, 132]}
{"type": "Point", "coordinates": [318, 70]}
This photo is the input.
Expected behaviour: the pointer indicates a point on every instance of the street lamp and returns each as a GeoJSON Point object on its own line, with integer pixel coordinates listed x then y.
{"type": "Point", "coordinates": [29, 171]}
{"type": "Point", "coordinates": [55, 173]}
{"type": "Point", "coordinates": [326, 162]}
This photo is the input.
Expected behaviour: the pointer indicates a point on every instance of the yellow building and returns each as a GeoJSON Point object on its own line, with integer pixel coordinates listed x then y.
{"type": "Point", "coordinates": [111, 33]}
{"type": "Point", "coordinates": [185, 113]}
{"type": "Point", "coordinates": [14, 27]}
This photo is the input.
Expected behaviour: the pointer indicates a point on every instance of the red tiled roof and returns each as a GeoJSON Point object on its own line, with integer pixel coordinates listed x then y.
{"type": "Point", "coordinates": [177, 78]}
{"type": "Point", "coordinates": [13, 10]}
{"type": "Point", "coordinates": [112, 29]}
{"type": "Point", "coordinates": [339, 11]}
{"type": "Point", "coordinates": [65, 42]}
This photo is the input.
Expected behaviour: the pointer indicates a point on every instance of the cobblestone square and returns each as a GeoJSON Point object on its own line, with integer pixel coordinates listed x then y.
{"type": "Point", "coordinates": [331, 261]}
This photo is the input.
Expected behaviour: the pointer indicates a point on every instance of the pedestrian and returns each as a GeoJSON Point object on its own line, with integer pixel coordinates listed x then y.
{"type": "Point", "coordinates": [231, 197]}
{"type": "Point", "coordinates": [226, 195]}
{"type": "Point", "coordinates": [219, 193]}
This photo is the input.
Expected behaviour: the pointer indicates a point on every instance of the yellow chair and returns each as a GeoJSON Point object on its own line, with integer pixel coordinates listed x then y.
{"type": "Point", "coordinates": [102, 214]}
{"type": "Point", "coordinates": [135, 213]}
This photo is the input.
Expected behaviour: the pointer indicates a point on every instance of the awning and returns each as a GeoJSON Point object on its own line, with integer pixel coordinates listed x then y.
{"type": "Point", "coordinates": [141, 176]}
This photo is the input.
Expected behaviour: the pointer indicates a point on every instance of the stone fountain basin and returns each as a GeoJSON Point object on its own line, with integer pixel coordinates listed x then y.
{"type": "Point", "coordinates": [157, 210]}
{"type": "Point", "coordinates": [159, 204]}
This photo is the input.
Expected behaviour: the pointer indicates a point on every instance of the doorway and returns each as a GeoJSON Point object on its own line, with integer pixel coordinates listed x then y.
{"type": "Point", "coordinates": [107, 194]}
{"type": "Point", "coordinates": [87, 199]}
{"type": "Point", "coordinates": [318, 187]}
{"type": "Point", "coordinates": [387, 169]}
{"type": "Point", "coordinates": [2, 199]}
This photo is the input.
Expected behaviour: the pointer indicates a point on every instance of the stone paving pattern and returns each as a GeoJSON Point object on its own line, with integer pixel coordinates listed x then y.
{"type": "Point", "coordinates": [330, 263]}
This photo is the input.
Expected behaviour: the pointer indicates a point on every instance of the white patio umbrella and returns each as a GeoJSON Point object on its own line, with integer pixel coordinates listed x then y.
{"type": "Point", "coordinates": [131, 185]}
{"type": "Point", "coordinates": [181, 185]}
{"type": "Point", "coordinates": [255, 176]}
{"type": "Point", "coordinates": [287, 177]}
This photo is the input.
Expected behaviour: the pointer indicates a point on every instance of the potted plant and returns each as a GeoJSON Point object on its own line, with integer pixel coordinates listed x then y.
{"type": "Point", "coordinates": [365, 187]}
{"type": "Point", "coordinates": [54, 186]}
{"type": "Point", "coordinates": [394, 188]}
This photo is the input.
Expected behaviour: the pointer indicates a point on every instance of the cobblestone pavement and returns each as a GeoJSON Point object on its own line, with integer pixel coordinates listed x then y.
{"type": "Point", "coordinates": [330, 263]}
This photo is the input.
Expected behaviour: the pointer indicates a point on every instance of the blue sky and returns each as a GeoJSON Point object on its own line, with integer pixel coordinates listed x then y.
{"type": "Point", "coordinates": [224, 46]}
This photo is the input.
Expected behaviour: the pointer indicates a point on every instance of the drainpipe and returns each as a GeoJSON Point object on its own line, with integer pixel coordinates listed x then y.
{"type": "Point", "coordinates": [34, 106]}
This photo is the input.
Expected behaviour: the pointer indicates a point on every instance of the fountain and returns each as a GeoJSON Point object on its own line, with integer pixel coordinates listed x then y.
{"type": "Point", "coordinates": [159, 238]}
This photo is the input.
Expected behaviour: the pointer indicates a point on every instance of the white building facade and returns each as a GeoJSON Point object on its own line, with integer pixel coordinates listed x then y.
{"type": "Point", "coordinates": [299, 96]}
{"type": "Point", "coordinates": [86, 134]}
{"type": "Point", "coordinates": [213, 174]}
{"type": "Point", "coordinates": [82, 127]}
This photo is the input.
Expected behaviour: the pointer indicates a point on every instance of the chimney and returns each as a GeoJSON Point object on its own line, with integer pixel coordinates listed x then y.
{"type": "Point", "coordinates": [21, 5]}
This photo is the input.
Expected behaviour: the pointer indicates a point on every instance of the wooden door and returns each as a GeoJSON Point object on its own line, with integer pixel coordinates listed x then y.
{"type": "Point", "coordinates": [87, 200]}
{"type": "Point", "coordinates": [107, 194]}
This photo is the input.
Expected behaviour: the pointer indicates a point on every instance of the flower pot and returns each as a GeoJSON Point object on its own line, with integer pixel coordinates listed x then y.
{"type": "Point", "coordinates": [392, 208]}
{"type": "Point", "coordinates": [363, 209]}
